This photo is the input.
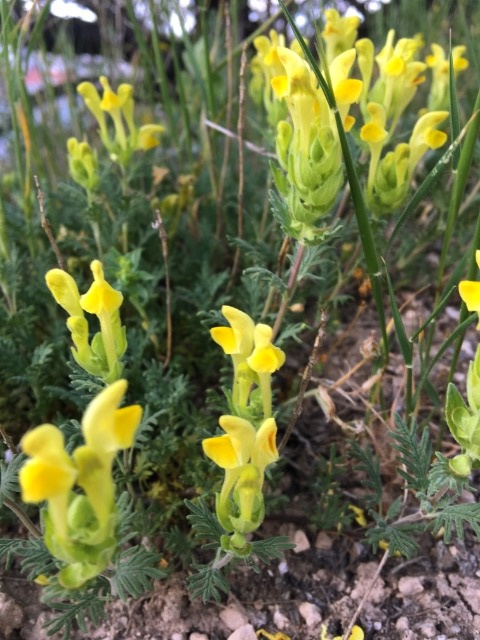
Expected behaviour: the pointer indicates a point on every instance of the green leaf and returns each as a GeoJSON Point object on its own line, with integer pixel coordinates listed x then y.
{"type": "Point", "coordinates": [9, 477]}
{"type": "Point", "coordinates": [207, 583]}
{"type": "Point", "coordinates": [271, 548]}
{"type": "Point", "coordinates": [415, 454]}
{"type": "Point", "coordinates": [454, 118]}
{"type": "Point", "coordinates": [454, 516]}
{"type": "Point", "coordinates": [405, 344]}
{"type": "Point", "coordinates": [204, 523]}
{"type": "Point", "coordinates": [134, 571]}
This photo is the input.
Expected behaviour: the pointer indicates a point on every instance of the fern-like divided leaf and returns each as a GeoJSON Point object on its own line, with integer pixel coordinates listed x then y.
{"type": "Point", "coordinates": [415, 454]}
{"type": "Point", "coordinates": [9, 477]}
{"type": "Point", "coordinates": [456, 515]}
{"type": "Point", "coordinates": [400, 539]}
{"type": "Point", "coordinates": [134, 571]}
{"type": "Point", "coordinates": [208, 583]}
{"type": "Point", "coordinates": [37, 558]}
{"type": "Point", "coordinates": [370, 466]}
{"type": "Point", "coordinates": [81, 607]}
{"type": "Point", "coordinates": [204, 523]}
{"type": "Point", "coordinates": [271, 548]}
{"type": "Point", "coordinates": [9, 549]}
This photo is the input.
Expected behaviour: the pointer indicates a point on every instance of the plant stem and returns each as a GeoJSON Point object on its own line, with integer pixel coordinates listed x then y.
{"type": "Point", "coordinates": [22, 516]}
{"type": "Point", "coordinates": [292, 282]}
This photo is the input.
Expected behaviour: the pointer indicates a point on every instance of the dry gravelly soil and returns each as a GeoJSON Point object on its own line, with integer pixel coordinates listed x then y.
{"type": "Point", "coordinates": [435, 595]}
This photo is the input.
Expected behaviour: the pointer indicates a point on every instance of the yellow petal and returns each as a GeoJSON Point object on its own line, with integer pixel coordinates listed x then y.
{"type": "Point", "coordinates": [101, 297]}
{"type": "Point", "coordinates": [265, 451]}
{"type": "Point", "coordinates": [477, 257]}
{"type": "Point", "coordinates": [243, 328]}
{"type": "Point", "coordinates": [222, 451]}
{"type": "Point", "coordinates": [225, 337]}
{"type": "Point", "coordinates": [45, 440]}
{"type": "Point", "coordinates": [88, 91]}
{"type": "Point", "coordinates": [372, 132]}
{"type": "Point", "coordinates": [65, 291]}
{"type": "Point", "coordinates": [98, 423]}
{"type": "Point", "coordinates": [266, 359]}
{"type": "Point", "coordinates": [435, 139]}
{"type": "Point", "coordinates": [42, 479]}
{"type": "Point", "coordinates": [242, 434]}
{"type": "Point", "coordinates": [126, 421]}
{"type": "Point", "coordinates": [148, 136]}
{"type": "Point", "coordinates": [348, 91]}
{"type": "Point", "coordinates": [470, 293]}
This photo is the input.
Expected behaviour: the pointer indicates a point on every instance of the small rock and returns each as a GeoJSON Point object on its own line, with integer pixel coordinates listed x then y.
{"type": "Point", "coordinates": [177, 636]}
{"type": "Point", "coordinates": [323, 542]}
{"type": "Point", "coordinates": [409, 635]}
{"type": "Point", "coordinates": [410, 586]}
{"type": "Point", "coordinates": [11, 615]}
{"type": "Point", "coordinates": [279, 620]}
{"type": "Point", "coordinates": [233, 618]}
{"type": "Point", "coordinates": [247, 632]}
{"type": "Point", "coordinates": [365, 574]}
{"type": "Point", "coordinates": [402, 624]}
{"type": "Point", "coordinates": [377, 625]}
{"type": "Point", "coordinates": [310, 613]}
{"type": "Point", "coordinates": [301, 541]}
{"type": "Point", "coordinates": [426, 630]}
{"type": "Point", "coordinates": [197, 636]}
{"type": "Point", "coordinates": [282, 567]}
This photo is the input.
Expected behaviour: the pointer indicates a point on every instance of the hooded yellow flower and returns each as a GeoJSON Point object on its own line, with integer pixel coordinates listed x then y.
{"type": "Point", "coordinates": [470, 292]}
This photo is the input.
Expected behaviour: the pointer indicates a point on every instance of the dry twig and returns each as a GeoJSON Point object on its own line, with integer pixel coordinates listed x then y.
{"type": "Point", "coordinates": [46, 226]}
{"type": "Point", "coordinates": [307, 374]}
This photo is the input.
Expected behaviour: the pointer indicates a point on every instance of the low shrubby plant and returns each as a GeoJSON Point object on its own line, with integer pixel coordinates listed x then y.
{"type": "Point", "coordinates": [185, 258]}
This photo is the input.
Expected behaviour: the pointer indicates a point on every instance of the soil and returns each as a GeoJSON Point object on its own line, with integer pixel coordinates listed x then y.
{"type": "Point", "coordinates": [322, 581]}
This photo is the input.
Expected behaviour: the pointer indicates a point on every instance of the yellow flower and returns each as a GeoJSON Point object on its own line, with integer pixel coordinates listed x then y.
{"type": "Point", "coordinates": [244, 453]}
{"type": "Point", "coordinates": [65, 291]}
{"type": "Point", "coordinates": [242, 444]}
{"type": "Point", "coordinates": [470, 292]}
{"type": "Point", "coordinates": [339, 33]}
{"type": "Point", "coordinates": [266, 357]}
{"type": "Point", "coordinates": [101, 297]}
{"type": "Point", "coordinates": [49, 474]}
{"type": "Point", "coordinates": [400, 75]}
{"type": "Point", "coordinates": [238, 338]}
{"type": "Point", "coordinates": [112, 101]}
{"type": "Point", "coordinates": [374, 134]}
{"type": "Point", "coordinates": [357, 634]}
{"type": "Point", "coordinates": [148, 136]}
{"type": "Point", "coordinates": [92, 100]}
{"type": "Point", "coordinates": [439, 63]}
{"type": "Point", "coordinates": [108, 429]}
{"type": "Point", "coordinates": [426, 136]}
{"type": "Point", "coordinates": [346, 90]}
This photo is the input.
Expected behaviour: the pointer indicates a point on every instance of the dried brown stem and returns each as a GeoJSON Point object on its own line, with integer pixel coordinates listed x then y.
{"type": "Point", "coordinates": [358, 610]}
{"type": "Point", "coordinates": [158, 224]}
{"type": "Point", "coordinates": [307, 374]}
{"type": "Point", "coordinates": [228, 122]}
{"type": "Point", "coordinates": [241, 161]}
{"type": "Point", "coordinates": [46, 226]}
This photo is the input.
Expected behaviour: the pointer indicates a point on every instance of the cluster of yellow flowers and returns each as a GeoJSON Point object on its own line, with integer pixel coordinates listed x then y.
{"type": "Point", "coordinates": [307, 147]}
{"type": "Point", "coordinates": [248, 445]}
{"type": "Point", "coordinates": [80, 527]}
{"type": "Point", "coordinates": [127, 137]}
{"type": "Point", "coordinates": [102, 356]}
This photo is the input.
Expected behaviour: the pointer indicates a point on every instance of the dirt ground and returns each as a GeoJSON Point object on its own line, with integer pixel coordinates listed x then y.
{"type": "Point", "coordinates": [322, 581]}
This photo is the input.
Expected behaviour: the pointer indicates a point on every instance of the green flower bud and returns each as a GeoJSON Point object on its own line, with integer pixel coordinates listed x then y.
{"type": "Point", "coordinates": [461, 465]}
